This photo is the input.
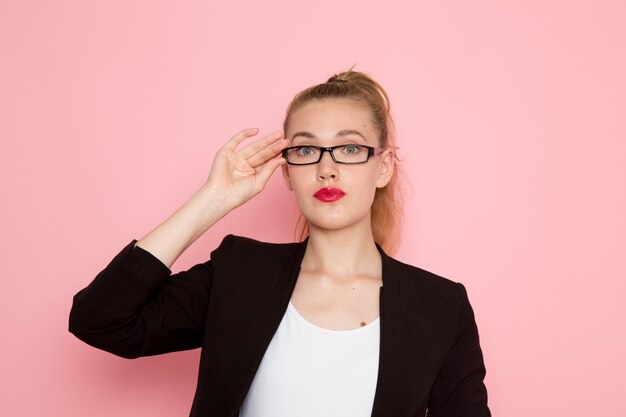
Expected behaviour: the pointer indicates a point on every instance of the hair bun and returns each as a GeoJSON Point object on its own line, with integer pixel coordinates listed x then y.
{"type": "Point", "coordinates": [335, 79]}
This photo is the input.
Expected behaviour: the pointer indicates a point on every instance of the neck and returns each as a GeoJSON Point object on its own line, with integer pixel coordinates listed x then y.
{"type": "Point", "coordinates": [342, 253]}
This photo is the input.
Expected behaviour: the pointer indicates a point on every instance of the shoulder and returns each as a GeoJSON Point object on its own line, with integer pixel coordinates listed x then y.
{"type": "Point", "coordinates": [250, 267]}
{"type": "Point", "coordinates": [251, 251]}
{"type": "Point", "coordinates": [425, 293]}
{"type": "Point", "coordinates": [413, 277]}
{"type": "Point", "coordinates": [239, 243]}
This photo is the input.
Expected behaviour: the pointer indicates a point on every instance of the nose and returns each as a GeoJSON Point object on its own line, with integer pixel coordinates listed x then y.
{"type": "Point", "coordinates": [327, 168]}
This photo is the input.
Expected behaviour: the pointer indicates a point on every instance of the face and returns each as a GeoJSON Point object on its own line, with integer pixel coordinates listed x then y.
{"type": "Point", "coordinates": [332, 195]}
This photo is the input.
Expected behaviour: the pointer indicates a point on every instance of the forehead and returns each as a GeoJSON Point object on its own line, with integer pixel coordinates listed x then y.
{"type": "Point", "coordinates": [326, 117]}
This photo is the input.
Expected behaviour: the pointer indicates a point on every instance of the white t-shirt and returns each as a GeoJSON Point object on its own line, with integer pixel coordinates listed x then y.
{"type": "Point", "coordinates": [309, 371]}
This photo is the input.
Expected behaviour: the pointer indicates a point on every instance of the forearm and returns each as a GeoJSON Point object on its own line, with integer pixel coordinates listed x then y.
{"type": "Point", "coordinates": [170, 239]}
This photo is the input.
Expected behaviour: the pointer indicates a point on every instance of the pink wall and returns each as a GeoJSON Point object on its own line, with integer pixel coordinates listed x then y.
{"type": "Point", "coordinates": [511, 122]}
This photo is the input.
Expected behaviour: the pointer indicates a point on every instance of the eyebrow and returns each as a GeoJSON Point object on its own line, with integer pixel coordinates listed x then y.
{"type": "Point", "coordinates": [345, 132]}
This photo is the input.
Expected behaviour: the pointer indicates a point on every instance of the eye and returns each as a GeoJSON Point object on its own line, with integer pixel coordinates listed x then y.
{"type": "Point", "coordinates": [351, 149]}
{"type": "Point", "coordinates": [306, 151]}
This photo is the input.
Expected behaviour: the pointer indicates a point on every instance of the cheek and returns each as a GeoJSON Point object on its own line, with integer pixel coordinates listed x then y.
{"type": "Point", "coordinates": [300, 182]}
{"type": "Point", "coordinates": [364, 189]}
{"type": "Point", "coordinates": [369, 179]}
{"type": "Point", "coordinates": [367, 195]}
{"type": "Point", "coordinates": [296, 176]}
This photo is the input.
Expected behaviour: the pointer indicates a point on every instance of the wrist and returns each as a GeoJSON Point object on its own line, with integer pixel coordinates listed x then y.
{"type": "Point", "coordinates": [211, 205]}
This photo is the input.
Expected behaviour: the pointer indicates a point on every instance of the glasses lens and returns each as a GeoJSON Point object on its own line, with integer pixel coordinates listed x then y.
{"type": "Point", "coordinates": [350, 154]}
{"type": "Point", "coordinates": [303, 155]}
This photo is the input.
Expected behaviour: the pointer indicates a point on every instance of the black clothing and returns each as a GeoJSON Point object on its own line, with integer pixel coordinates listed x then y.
{"type": "Point", "coordinates": [231, 306]}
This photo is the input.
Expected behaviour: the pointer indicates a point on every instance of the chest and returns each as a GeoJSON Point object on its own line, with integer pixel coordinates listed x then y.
{"type": "Point", "coordinates": [337, 304]}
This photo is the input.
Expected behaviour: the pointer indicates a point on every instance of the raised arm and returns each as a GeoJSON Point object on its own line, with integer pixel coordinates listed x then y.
{"type": "Point", "coordinates": [235, 177]}
{"type": "Point", "coordinates": [135, 307]}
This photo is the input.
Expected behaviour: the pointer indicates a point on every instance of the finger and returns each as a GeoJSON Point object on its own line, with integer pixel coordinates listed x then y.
{"type": "Point", "coordinates": [268, 169]}
{"type": "Point", "coordinates": [260, 144]}
{"type": "Point", "coordinates": [267, 153]}
{"type": "Point", "coordinates": [240, 137]}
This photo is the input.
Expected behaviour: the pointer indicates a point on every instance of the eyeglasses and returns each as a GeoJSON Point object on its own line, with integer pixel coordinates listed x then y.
{"type": "Point", "coordinates": [341, 154]}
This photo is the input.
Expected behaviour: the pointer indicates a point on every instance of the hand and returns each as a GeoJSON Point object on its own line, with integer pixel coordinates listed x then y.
{"type": "Point", "coordinates": [239, 175]}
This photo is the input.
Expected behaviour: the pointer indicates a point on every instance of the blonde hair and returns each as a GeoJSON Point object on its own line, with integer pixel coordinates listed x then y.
{"type": "Point", "coordinates": [386, 212]}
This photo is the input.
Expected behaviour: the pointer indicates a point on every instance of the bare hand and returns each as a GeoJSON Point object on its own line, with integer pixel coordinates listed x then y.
{"type": "Point", "coordinates": [241, 174]}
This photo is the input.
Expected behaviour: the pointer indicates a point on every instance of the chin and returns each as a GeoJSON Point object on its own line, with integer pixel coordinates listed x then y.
{"type": "Point", "coordinates": [338, 223]}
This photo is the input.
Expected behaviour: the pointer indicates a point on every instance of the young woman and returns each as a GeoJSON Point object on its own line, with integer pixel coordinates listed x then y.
{"type": "Point", "coordinates": [329, 326]}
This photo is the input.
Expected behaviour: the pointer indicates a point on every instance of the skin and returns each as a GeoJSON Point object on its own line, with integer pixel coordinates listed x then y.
{"type": "Point", "coordinates": [339, 282]}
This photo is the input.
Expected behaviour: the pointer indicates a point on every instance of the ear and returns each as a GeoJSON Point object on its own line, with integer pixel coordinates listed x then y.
{"type": "Point", "coordinates": [387, 167]}
{"type": "Point", "coordinates": [286, 177]}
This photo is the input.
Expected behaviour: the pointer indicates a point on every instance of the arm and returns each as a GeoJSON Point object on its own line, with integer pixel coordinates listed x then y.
{"type": "Point", "coordinates": [459, 389]}
{"type": "Point", "coordinates": [134, 307]}
{"type": "Point", "coordinates": [235, 177]}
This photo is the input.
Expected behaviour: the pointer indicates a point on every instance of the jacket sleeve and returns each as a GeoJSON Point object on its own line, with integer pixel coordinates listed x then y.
{"type": "Point", "coordinates": [135, 307]}
{"type": "Point", "coordinates": [459, 390]}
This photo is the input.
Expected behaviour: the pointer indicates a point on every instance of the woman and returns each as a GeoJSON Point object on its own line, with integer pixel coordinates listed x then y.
{"type": "Point", "coordinates": [330, 326]}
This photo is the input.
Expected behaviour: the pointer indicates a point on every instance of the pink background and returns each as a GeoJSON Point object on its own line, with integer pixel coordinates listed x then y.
{"type": "Point", "coordinates": [511, 122]}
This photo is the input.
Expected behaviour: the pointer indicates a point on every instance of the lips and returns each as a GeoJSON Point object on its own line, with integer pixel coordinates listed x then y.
{"type": "Point", "coordinates": [328, 195]}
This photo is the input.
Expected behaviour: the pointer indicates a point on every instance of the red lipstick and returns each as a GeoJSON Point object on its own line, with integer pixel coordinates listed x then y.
{"type": "Point", "coordinates": [328, 195]}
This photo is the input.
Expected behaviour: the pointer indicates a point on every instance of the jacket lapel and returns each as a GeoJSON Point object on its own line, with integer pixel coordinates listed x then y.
{"type": "Point", "coordinates": [249, 302]}
{"type": "Point", "coordinates": [401, 387]}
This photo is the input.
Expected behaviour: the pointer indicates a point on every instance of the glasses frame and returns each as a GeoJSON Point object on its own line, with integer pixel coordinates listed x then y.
{"type": "Point", "coordinates": [371, 151]}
